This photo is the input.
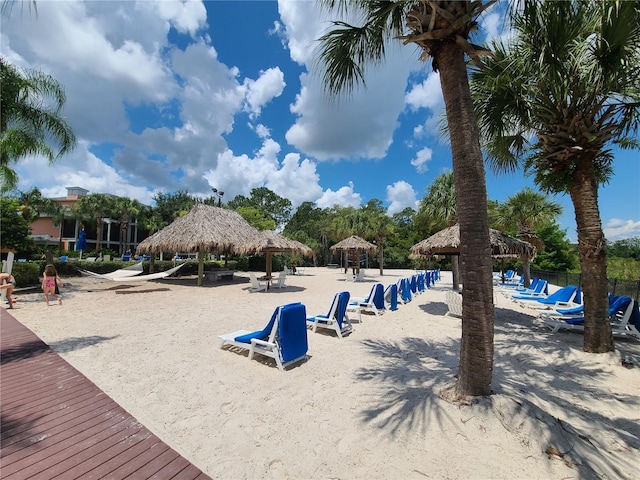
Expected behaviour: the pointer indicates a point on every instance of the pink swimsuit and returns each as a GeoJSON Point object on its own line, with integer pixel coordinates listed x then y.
{"type": "Point", "coordinates": [50, 283]}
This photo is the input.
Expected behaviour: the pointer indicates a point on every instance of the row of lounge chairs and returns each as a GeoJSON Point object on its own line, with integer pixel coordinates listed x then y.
{"type": "Point", "coordinates": [284, 338]}
{"type": "Point", "coordinates": [564, 310]}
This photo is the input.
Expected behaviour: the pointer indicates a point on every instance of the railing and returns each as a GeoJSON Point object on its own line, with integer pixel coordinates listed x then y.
{"type": "Point", "coordinates": [629, 288]}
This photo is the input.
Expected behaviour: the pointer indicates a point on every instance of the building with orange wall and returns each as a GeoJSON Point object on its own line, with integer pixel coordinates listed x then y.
{"type": "Point", "coordinates": [63, 234]}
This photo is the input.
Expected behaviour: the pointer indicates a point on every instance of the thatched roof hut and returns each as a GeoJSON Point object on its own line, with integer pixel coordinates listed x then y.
{"type": "Point", "coordinates": [447, 242]}
{"type": "Point", "coordinates": [270, 242]}
{"type": "Point", "coordinates": [353, 245]}
{"type": "Point", "coordinates": [203, 229]}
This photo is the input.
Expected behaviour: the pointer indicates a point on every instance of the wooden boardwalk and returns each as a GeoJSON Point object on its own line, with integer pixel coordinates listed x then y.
{"type": "Point", "coordinates": [55, 423]}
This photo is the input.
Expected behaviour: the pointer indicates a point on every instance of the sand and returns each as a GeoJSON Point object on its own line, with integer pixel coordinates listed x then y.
{"type": "Point", "coordinates": [366, 406]}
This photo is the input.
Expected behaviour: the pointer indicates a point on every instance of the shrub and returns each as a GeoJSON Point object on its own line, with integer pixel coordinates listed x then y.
{"type": "Point", "coordinates": [26, 274]}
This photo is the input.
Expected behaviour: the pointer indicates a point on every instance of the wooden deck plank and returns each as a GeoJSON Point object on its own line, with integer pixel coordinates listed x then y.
{"type": "Point", "coordinates": [64, 428]}
{"type": "Point", "coordinates": [56, 423]}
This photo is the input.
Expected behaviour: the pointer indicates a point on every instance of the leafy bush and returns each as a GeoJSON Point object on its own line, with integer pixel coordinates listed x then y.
{"type": "Point", "coordinates": [26, 274]}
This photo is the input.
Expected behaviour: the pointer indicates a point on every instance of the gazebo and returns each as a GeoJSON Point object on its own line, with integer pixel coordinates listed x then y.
{"type": "Point", "coordinates": [204, 229]}
{"type": "Point", "coordinates": [353, 245]}
{"type": "Point", "coordinates": [270, 242]}
{"type": "Point", "coordinates": [447, 242]}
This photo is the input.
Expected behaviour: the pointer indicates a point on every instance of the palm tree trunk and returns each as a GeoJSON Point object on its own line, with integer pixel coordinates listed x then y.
{"type": "Point", "coordinates": [526, 271]}
{"type": "Point", "coordinates": [381, 254]}
{"type": "Point", "coordinates": [455, 272]}
{"type": "Point", "coordinates": [593, 264]}
{"type": "Point", "coordinates": [476, 350]}
{"type": "Point", "coordinates": [98, 232]}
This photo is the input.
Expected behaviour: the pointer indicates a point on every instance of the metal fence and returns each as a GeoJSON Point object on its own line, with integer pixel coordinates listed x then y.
{"type": "Point", "coordinates": [628, 288]}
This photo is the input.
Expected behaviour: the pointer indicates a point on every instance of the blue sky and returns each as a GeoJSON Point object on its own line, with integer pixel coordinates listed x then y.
{"type": "Point", "coordinates": [173, 95]}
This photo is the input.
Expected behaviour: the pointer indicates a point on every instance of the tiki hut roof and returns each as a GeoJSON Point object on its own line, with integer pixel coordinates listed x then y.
{"type": "Point", "coordinates": [354, 243]}
{"type": "Point", "coordinates": [204, 229]}
{"type": "Point", "coordinates": [269, 240]}
{"type": "Point", "coordinates": [447, 242]}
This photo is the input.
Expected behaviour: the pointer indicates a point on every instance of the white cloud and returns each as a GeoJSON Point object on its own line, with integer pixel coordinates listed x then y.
{"type": "Point", "coordinates": [492, 24]}
{"type": "Point", "coordinates": [302, 23]}
{"type": "Point", "coordinates": [427, 94]}
{"type": "Point", "coordinates": [186, 16]}
{"type": "Point", "coordinates": [259, 92]}
{"type": "Point", "coordinates": [619, 229]}
{"type": "Point", "coordinates": [400, 195]}
{"type": "Point", "coordinates": [344, 197]}
{"type": "Point", "coordinates": [294, 178]}
{"type": "Point", "coordinates": [422, 159]}
{"type": "Point", "coordinates": [358, 126]}
{"type": "Point", "coordinates": [261, 130]}
{"type": "Point", "coordinates": [80, 168]}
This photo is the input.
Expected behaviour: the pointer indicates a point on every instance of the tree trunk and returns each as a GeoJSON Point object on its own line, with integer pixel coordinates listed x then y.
{"type": "Point", "coordinates": [476, 349]}
{"type": "Point", "coordinates": [526, 271]}
{"type": "Point", "coordinates": [593, 263]}
{"type": "Point", "coordinates": [381, 255]}
{"type": "Point", "coordinates": [98, 233]}
{"type": "Point", "coordinates": [455, 272]}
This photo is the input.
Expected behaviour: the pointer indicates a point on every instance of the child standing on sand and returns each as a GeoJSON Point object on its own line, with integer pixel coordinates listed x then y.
{"type": "Point", "coordinates": [50, 279]}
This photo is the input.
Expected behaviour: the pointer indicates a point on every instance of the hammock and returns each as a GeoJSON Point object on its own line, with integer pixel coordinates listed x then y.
{"type": "Point", "coordinates": [150, 276]}
{"type": "Point", "coordinates": [130, 275]}
{"type": "Point", "coordinates": [129, 271]}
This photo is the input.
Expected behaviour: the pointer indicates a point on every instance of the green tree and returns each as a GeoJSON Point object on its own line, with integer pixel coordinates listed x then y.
{"type": "Point", "coordinates": [170, 206]}
{"type": "Point", "coordinates": [558, 254]}
{"type": "Point", "coordinates": [380, 227]}
{"type": "Point", "coordinates": [32, 204]}
{"type": "Point", "coordinates": [307, 225]}
{"type": "Point", "coordinates": [555, 99]}
{"type": "Point", "coordinates": [95, 206]}
{"type": "Point", "coordinates": [627, 248]}
{"type": "Point", "coordinates": [442, 32]}
{"type": "Point", "coordinates": [524, 212]}
{"type": "Point", "coordinates": [14, 228]}
{"type": "Point", "coordinates": [127, 208]}
{"type": "Point", "coordinates": [269, 203]}
{"type": "Point", "coordinates": [256, 218]}
{"type": "Point", "coordinates": [404, 234]}
{"type": "Point", "coordinates": [31, 121]}
{"type": "Point", "coordinates": [439, 206]}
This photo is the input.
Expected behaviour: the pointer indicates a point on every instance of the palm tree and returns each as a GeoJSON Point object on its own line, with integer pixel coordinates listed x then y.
{"type": "Point", "coordinates": [33, 204]}
{"type": "Point", "coordinates": [439, 205]}
{"type": "Point", "coordinates": [380, 227]}
{"type": "Point", "coordinates": [127, 208]}
{"type": "Point", "coordinates": [525, 211]}
{"type": "Point", "coordinates": [28, 125]}
{"type": "Point", "coordinates": [96, 206]}
{"type": "Point", "coordinates": [441, 30]}
{"type": "Point", "coordinates": [555, 100]}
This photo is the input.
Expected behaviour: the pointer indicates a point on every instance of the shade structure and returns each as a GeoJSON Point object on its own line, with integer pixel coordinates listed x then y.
{"type": "Point", "coordinates": [270, 242]}
{"type": "Point", "coordinates": [204, 229]}
{"type": "Point", "coordinates": [354, 245]}
{"type": "Point", "coordinates": [447, 242]}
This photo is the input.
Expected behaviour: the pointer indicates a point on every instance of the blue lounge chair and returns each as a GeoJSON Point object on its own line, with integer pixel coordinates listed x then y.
{"type": "Point", "coordinates": [627, 323]}
{"type": "Point", "coordinates": [568, 296]}
{"type": "Point", "coordinates": [284, 338]}
{"type": "Point", "coordinates": [413, 282]}
{"type": "Point", "coordinates": [621, 314]}
{"type": "Point", "coordinates": [391, 297]}
{"type": "Point", "coordinates": [374, 302]}
{"type": "Point", "coordinates": [404, 290]}
{"type": "Point", "coordinates": [336, 319]}
{"type": "Point", "coordinates": [541, 290]}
